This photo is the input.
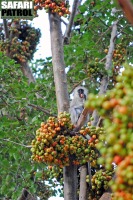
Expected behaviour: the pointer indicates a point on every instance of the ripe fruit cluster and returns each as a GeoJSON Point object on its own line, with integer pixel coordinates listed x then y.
{"type": "Point", "coordinates": [57, 6]}
{"type": "Point", "coordinates": [118, 55]}
{"type": "Point", "coordinates": [55, 145]}
{"type": "Point", "coordinates": [116, 145]}
{"type": "Point", "coordinates": [99, 183]}
{"type": "Point", "coordinates": [124, 181]}
{"type": "Point", "coordinates": [23, 43]}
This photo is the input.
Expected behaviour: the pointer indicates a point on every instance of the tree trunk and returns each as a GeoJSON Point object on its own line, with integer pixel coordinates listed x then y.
{"type": "Point", "coordinates": [70, 172]}
{"type": "Point", "coordinates": [83, 184]}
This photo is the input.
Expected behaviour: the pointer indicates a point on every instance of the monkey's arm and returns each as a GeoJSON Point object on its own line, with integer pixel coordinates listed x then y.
{"type": "Point", "coordinates": [75, 112]}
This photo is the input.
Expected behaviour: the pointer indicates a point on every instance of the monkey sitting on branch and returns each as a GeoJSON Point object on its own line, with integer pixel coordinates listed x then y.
{"type": "Point", "coordinates": [80, 94]}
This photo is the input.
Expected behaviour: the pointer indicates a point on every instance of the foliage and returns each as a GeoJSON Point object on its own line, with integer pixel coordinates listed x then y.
{"type": "Point", "coordinates": [91, 32]}
{"type": "Point", "coordinates": [20, 116]}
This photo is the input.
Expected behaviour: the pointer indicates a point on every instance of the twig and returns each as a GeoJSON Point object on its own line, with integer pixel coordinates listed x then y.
{"type": "Point", "coordinates": [104, 33]}
{"type": "Point", "coordinates": [62, 20]}
{"type": "Point", "coordinates": [7, 140]}
{"type": "Point", "coordinates": [41, 109]}
{"type": "Point", "coordinates": [77, 84]}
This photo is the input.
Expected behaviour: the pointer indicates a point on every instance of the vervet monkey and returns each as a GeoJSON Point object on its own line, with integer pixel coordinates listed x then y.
{"type": "Point", "coordinates": [77, 104]}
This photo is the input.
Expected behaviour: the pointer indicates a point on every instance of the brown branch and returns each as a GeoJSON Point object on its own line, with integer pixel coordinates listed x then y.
{"type": "Point", "coordinates": [106, 196]}
{"type": "Point", "coordinates": [71, 20]}
{"type": "Point", "coordinates": [127, 8]}
{"type": "Point", "coordinates": [82, 119]}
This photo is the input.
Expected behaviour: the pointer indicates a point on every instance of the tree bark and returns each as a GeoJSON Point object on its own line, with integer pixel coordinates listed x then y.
{"type": "Point", "coordinates": [83, 184]}
{"type": "Point", "coordinates": [62, 97]}
{"type": "Point", "coordinates": [60, 79]}
{"type": "Point", "coordinates": [26, 70]}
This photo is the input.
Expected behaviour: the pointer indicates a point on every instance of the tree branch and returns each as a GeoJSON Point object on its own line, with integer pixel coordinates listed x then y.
{"type": "Point", "coordinates": [71, 20]}
{"type": "Point", "coordinates": [108, 65]}
{"type": "Point", "coordinates": [106, 196]}
{"type": "Point", "coordinates": [77, 84]}
{"type": "Point", "coordinates": [62, 20]}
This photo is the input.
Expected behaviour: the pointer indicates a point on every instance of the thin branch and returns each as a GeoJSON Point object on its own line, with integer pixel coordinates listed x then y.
{"type": "Point", "coordinates": [41, 109]}
{"type": "Point", "coordinates": [77, 84]}
{"type": "Point", "coordinates": [7, 140]}
{"type": "Point", "coordinates": [103, 59]}
{"type": "Point", "coordinates": [71, 20]}
{"type": "Point", "coordinates": [104, 33]}
{"type": "Point", "coordinates": [62, 20]}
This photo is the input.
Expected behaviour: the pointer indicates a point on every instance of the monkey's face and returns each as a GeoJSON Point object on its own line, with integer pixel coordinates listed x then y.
{"type": "Point", "coordinates": [81, 94]}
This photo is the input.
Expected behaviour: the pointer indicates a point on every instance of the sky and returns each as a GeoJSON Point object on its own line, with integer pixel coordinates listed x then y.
{"type": "Point", "coordinates": [44, 47]}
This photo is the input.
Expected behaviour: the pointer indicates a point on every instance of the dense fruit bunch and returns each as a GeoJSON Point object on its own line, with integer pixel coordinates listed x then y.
{"type": "Point", "coordinates": [23, 43]}
{"type": "Point", "coordinates": [55, 6]}
{"type": "Point", "coordinates": [96, 69]}
{"type": "Point", "coordinates": [124, 180]}
{"type": "Point", "coordinates": [55, 172]}
{"type": "Point", "coordinates": [117, 109]}
{"type": "Point", "coordinates": [55, 145]}
{"type": "Point", "coordinates": [99, 183]}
